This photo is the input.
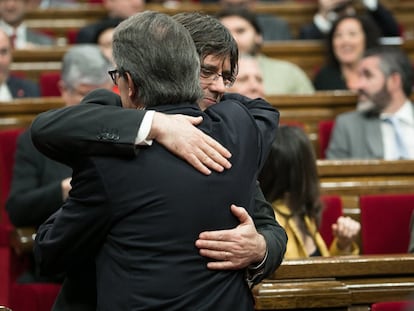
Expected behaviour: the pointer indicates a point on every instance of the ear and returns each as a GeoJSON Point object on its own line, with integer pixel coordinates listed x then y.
{"type": "Point", "coordinates": [131, 87]}
{"type": "Point", "coordinates": [258, 40]}
{"type": "Point", "coordinates": [394, 82]}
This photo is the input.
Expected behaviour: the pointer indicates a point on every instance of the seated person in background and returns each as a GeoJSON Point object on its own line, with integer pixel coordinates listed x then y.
{"type": "Point", "coordinates": [384, 128]}
{"type": "Point", "coordinates": [273, 28]}
{"type": "Point", "coordinates": [12, 21]}
{"type": "Point", "coordinates": [40, 185]}
{"type": "Point", "coordinates": [116, 9]}
{"type": "Point", "coordinates": [346, 43]}
{"type": "Point", "coordinates": [12, 87]}
{"type": "Point", "coordinates": [279, 77]}
{"type": "Point", "coordinates": [249, 80]}
{"type": "Point", "coordinates": [104, 34]}
{"type": "Point", "coordinates": [296, 200]}
{"type": "Point", "coordinates": [411, 246]}
{"type": "Point", "coordinates": [330, 10]}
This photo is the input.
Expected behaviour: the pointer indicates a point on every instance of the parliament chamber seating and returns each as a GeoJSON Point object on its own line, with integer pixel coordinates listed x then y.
{"type": "Point", "coordinates": [385, 222]}
{"type": "Point", "coordinates": [19, 296]}
{"type": "Point", "coordinates": [332, 210]}
{"type": "Point", "coordinates": [404, 305]}
{"type": "Point", "coordinates": [325, 128]}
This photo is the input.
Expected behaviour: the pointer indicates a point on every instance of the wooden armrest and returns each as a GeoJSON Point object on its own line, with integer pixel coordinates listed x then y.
{"type": "Point", "coordinates": [22, 239]}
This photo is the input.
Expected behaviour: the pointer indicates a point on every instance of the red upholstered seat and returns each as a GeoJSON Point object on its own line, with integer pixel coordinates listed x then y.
{"type": "Point", "coordinates": [324, 135]}
{"type": "Point", "coordinates": [385, 222]}
{"type": "Point", "coordinates": [331, 212]}
{"type": "Point", "coordinates": [406, 305]}
{"type": "Point", "coordinates": [20, 297]}
{"type": "Point", "coordinates": [48, 82]}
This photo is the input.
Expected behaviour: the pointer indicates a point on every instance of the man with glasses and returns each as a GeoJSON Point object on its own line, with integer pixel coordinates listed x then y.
{"type": "Point", "coordinates": [261, 250]}
{"type": "Point", "coordinates": [137, 219]}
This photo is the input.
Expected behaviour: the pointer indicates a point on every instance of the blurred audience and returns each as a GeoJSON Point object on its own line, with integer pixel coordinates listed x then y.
{"type": "Point", "coordinates": [296, 199]}
{"type": "Point", "coordinates": [40, 185]}
{"type": "Point", "coordinates": [116, 9]}
{"type": "Point", "coordinates": [383, 127]}
{"type": "Point", "coordinates": [346, 43]}
{"type": "Point", "coordinates": [273, 28]}
{"type": "Point", "coordinates": [330, 10]}
{"type": "Point", "coordinates": [13, 13]}
{"type": "Point", "coordinates": [279, 77]}
{"type": "Point", "coordinates": [249, 80]}
{"type": "Point", "coordinates": [12, 86]}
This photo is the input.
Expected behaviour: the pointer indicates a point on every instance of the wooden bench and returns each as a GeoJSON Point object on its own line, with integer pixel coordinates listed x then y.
{"type": "Point", "coordinates": [21, 112]}
{"type": "Point", "coordinates": [351, 178]}
{"type": "Point", "coordinates": [337, 283]}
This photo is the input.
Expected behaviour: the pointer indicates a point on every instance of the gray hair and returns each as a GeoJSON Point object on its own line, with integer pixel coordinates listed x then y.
{"type": "Point", "coordinates": [160, 56]}
{"type": "Point", "coordinates": [84, 64]}
{"type": "Point", "coordinates": [394, 60]}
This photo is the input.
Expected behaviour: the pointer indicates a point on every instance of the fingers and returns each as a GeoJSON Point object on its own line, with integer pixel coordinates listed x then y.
{"type": "Point", "coordinates": [241, 214]}
{"type": "Point", "coordinates": [346, 227]}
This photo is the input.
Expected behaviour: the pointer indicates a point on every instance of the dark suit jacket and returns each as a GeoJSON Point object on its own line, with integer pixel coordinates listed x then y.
{"type": "Point", "coordinates": [22, 87]}
{"type": "Point", "coordinates": [142, 230]}
{"type": "Point", "coordinates": [384, 19]}
{"type": "Point", "coordinates": [35, 192]}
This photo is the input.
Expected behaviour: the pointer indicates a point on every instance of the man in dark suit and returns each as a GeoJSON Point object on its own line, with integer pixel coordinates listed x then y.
{"type": "Point", "coordinates": [140, 217]}
{"type": "Point", "coordinates": [10, 86]}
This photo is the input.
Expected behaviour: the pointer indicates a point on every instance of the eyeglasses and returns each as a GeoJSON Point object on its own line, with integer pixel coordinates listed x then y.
{"type": "Point", "coordinates": [114, 74]}
{"type": "Point", "coordinates": [211, 76]}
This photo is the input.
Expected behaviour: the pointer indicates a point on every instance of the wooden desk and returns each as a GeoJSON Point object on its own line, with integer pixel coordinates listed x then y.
{"type": "Point", "coordinates": [20, 112]}
{"type": "Point", "coordinates": [337, 283]}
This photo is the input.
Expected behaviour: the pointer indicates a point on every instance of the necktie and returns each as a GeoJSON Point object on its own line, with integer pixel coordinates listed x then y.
{"type": "Point", "coordinates": [401, 149]}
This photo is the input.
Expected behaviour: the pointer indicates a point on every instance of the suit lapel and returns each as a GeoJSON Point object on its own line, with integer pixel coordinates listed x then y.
{"type": "Point", "coordinates": [374, 138]}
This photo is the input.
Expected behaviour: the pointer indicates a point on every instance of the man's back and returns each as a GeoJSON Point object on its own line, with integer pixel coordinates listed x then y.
{"type": "Point", "coordinates": [147, 213]}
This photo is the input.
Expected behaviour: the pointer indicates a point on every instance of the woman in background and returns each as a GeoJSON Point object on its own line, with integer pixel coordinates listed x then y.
{"type": "Point", "coordinates": [350, 36]}
{"type": "Point", "coordinates": [289, 180]}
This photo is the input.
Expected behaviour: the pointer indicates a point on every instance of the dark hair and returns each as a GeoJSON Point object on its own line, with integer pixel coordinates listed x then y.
{"type": "Point", "coordinates": [160, 56]}
{"type": "Point", "coordinates": [210, 37]}
{"type": "Point", "coordinates": [241, 12]}
{"type": "Point", "coordinates": [290, 173]}
{"type": "Point", "coordinates": [394, 60]}
{"type": "Point", "coordinates": [369, 28]}
{"type": "Point", "coordinates": [106, 24]}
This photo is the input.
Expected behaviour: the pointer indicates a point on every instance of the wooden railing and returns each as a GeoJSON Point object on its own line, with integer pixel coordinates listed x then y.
{"type": "Point", "coordinates": [337, 283]}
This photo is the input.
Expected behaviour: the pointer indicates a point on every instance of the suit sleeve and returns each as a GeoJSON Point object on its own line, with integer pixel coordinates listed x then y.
{"type": "Point", "coordinates": [97, 126]}
{"type": "Point", "coordinates": [274, 234]}
{"type": "Point", "coordinates": [266, 118]}
{"type": "Point", "coordinates": [29, 203]}
{"type": "Point", "coordinates": [74, 234]}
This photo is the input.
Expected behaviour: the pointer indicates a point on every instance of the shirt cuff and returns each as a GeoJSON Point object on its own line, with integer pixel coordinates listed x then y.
{"type": "Point", "coordinates": [371, 4]}
{"type": "Point", "coordinates": [255, 272]}
{"type": "Point", "coordinates": [144, 129]}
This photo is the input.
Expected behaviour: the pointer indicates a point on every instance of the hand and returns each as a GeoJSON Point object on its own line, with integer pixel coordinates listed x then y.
{"type": "Point", "coordinates": [235, 248]}
{"type": "Point", "coordinates": [178, 134]}
{"type": "Point", "coordinates": [346, 230]}
{"type": "Point", "coordinates": [65, 184]}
